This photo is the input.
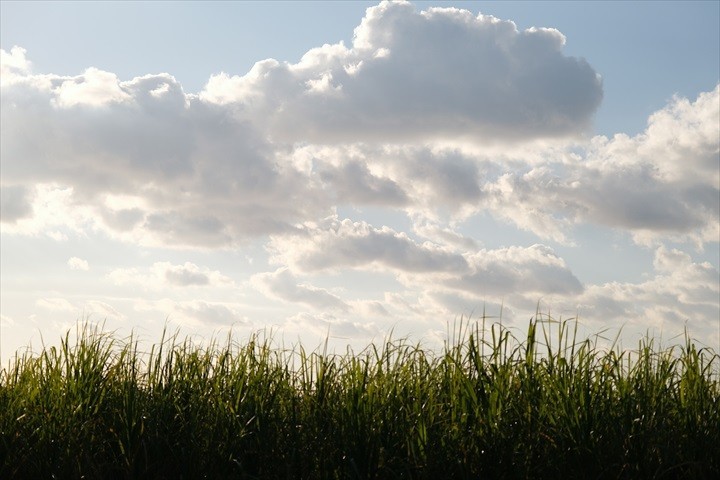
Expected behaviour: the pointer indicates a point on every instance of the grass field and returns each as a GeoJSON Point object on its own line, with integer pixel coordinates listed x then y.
{"type": "Point", "coordinates": [488, 405]}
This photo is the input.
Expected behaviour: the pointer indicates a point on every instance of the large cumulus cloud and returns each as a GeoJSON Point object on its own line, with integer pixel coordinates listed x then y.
{"type": "Point", "coordinates": [146, 162]}
{"type": "Point", "coordinates": [412, 75]}
{"type": "Point", "coordinates": [660, 184]}
{"type": "Point", "coordinates": [154, 164]}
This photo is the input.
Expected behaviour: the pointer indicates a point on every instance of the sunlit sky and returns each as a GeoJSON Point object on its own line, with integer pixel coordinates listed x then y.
{"type": "Point", "coordinates": [349, 169]}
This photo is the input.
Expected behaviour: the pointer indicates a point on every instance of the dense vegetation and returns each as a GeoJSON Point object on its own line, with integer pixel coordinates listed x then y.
{"type": "Point", "coordinates": [486, 406]}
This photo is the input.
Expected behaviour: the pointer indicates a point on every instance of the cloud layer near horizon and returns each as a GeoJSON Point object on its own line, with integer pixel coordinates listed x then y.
{"type": "Point", "coordinates": [440, 116]}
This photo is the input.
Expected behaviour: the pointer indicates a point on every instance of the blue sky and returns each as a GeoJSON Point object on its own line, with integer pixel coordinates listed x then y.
{"type": "Point", "coordinates": [436, 163]}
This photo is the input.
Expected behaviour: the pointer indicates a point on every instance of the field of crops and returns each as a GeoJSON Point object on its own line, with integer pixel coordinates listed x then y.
{"type": "Point", "coordinates": [488, 405]}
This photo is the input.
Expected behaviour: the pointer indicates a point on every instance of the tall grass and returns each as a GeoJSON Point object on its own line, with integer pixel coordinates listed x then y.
{"type": "Point", "coordinates": [487, 405]}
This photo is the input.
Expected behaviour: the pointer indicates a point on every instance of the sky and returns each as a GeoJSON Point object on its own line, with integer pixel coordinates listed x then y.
{"type": "Point", "coordinates": [348, 170]}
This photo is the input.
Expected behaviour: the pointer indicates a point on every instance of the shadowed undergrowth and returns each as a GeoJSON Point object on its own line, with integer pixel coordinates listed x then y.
{"type": "Point", "coordinates": [488, 405]}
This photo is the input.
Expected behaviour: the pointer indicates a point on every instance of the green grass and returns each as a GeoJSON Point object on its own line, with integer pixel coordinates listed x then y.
{"type": "Point", "coordinates": [486, 406]}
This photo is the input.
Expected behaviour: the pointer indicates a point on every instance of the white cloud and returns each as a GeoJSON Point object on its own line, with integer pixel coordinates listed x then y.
{"type": "Point", "coordinates": [94, 88]}
{"type": "Point", "coordinates": [186, 275]}
{"type": "Point", "coordinates": [531, 271]}
{"type": "Point", "coordinates": [204, 174]}
{"type": "Point", "coordinates": [681, 294]}
{"type": "Point", "coordinates": [660, 184]}
{"type": "Point", "coordinates": [682, 140]}
{"type": "Point", "coordinates": [446, 236]}
{"type": "Point", "coordinates": [13, 64]}
{"type": "Point", "coordinates": [46, 209]}
{"type": "Point", "coordinates": [282, 284]}
{"type": "Point", "coordinates": [193, 313]}
{"type": "Point", "coordinates": [76, 263]}
{"type": "Point", "coordinates": [406, 176]}
{"type": "Point", "coordinates": [340, 245]}
{"type": "Point", "coordinates": [165, 274]}
{"type": "Point", "coordinates": [199, 174]}
{"type": "Point", "coordinates": [209, 313]}
{"type": "Point", "coordinates": [346, 244]}
{"type": "Point", "coordinates": [408, 74]}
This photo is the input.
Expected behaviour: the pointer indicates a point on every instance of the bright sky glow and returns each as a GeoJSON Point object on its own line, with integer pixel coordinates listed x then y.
{"type": "Point", "coordinates": [352, 168]}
